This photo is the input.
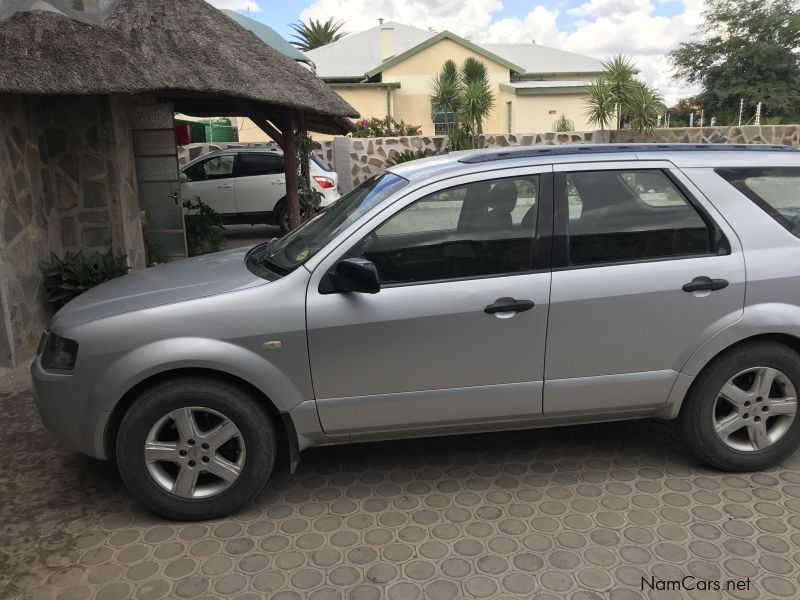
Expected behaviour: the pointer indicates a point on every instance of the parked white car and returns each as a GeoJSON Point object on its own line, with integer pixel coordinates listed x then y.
{"type": "Point", "coordinates": [247, 185]}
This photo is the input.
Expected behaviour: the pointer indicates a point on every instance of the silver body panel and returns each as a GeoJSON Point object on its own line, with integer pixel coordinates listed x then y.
{"type": "Point", "coordinates": [602, 343]}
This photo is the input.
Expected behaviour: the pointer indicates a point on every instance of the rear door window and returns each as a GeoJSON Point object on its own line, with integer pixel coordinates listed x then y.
{"type": "Point", "coordinates": [630, 215]}
{"type": "Point", "coordinates": [775, 190]}
{"type": "Point", "coordinates": [259, 164]}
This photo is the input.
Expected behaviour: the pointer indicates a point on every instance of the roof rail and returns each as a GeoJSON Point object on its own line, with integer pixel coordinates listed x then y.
{"type": "Point", "coordinates": [558, 150]}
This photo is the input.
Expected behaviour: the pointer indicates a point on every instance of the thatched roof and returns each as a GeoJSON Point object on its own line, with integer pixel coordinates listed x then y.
{"type": "Point", "coordinates": [184, 50]}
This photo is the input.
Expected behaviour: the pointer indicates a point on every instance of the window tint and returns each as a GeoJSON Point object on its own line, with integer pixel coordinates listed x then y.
{"type": "Point", "coordinates": [259, 164]}
{"type": "Point", "coordinates": [479, 229]}
{"type": "Point", "coordinates": [775, 190]}
{"type": "Point", "coordinates": [617, 216]}
{"type": "Point", "coordinates": [217, 167]}
{"type": "Point", "coordinates": [321, 163]}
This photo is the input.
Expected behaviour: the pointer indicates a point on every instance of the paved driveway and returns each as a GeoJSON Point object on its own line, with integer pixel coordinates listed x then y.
{"type": "Point", "coordinates": [579, 513]}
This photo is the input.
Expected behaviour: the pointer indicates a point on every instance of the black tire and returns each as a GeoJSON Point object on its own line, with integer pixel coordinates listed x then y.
{"type": "Point", "coordinates": [281, 219]}
{"type": "Point", "coordinates": [234, 403]}
{"type": "Point", "coordinates": [695, 422]}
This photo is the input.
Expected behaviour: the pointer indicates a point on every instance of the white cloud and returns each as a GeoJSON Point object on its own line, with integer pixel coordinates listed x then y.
{"type": "Point", "coordinates": [245, 5]}
{"type": "Point", "coordinates": [466, 17]}
{"type": "Point", "coordinates": [597, 28]}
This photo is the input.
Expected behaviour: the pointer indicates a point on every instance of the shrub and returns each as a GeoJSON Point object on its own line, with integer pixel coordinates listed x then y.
{"type": "Point", "coordinates": [204, 228]}
{"type": "Point", "coordinates": [563, 123]}
{"type": "Point", "coordinates": [65, 278]}
{"type": "Point", "coordinates": [397, 157]}
{"type": "Point", "coordinates": [386, 127]}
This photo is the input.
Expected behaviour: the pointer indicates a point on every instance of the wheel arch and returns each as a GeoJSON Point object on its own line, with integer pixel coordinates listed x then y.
{"type": "Point", "coordinates": [287, 435]}
{"type": "Point", "coordinates": [683, 391]}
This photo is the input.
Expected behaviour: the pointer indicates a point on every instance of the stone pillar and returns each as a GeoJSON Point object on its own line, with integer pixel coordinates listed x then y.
{"type": "Point", "coordinates": [157, 176]}
{"type": "Point", "coordinates": [341, 162]}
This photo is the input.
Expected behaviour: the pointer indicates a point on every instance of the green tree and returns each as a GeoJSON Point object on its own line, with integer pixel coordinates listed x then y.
{"type": "Point", "coordinates": [747, 49]}
{"type": "Point", "coordinates": [464, 96]}
{"type": "Point", "coordinates": [620, 74]}
{"type": "Point", "coordinates": [316, 33]}
{"type": "Point", "coordinates": [600, 103]}
{"type": "Point", "coordinates": [617, 95]}
{"type": "Point", "coordinates": [642, 106]}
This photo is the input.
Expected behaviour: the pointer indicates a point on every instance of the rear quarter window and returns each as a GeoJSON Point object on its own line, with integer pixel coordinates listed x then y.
{"type": "Point", "coordinates": [776, 190]}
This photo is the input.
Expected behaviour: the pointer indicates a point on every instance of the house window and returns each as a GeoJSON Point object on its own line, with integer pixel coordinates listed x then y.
{"type": "Point", "coordinates": [442, 121]}
{"type": "Point", "coordinates": [509, 122]}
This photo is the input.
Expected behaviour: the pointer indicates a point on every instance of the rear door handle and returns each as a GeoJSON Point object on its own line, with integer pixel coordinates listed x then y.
{"type": "Point", "coordinates": [225, 186]}
{"type": "Point", "coordinates": [701, 284]}
{"type": "Point", "coordinates": [508, 305]}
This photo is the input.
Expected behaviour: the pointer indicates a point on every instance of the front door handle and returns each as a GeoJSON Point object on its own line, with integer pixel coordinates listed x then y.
{"type": "Point", "coordinates": [225, 186]}
{"type": "Point", "coordinates": [703, 284]}
{"type": "Point", "coordinates": [508, 305]}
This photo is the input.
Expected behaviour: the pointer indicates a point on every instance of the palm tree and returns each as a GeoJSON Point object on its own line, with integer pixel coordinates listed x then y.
{"type": "Point", "coordinates": [316, 33]}
{"type": "Point", "coordinates": [466, 94]}
{"type": "Point", "coordinates": [642, 107]}
{"type": "Point", "coordinates": [477, 96]}
{"type": "Point", "coordinates": [620, 73]}
{"type": "Point", "coordinates": [600, 103]}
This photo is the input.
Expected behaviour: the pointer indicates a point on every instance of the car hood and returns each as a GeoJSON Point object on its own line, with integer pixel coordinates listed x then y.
{"type": "Point", "coordinates": [188, 279]}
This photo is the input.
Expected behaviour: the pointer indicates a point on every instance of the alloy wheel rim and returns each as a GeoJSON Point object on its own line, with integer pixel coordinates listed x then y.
{"type": "Point", "coordinates": [754, 409]}
{"type": "Point", "coordinates": [194, 452]}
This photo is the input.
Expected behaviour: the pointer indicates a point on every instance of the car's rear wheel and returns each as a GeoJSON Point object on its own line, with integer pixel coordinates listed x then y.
{"type": "Point", "coordinates": [282, 217]}
{"type": "Point", "coordinates": [195, 448]}
{"type": "Point", "coordinates": [741, 414]}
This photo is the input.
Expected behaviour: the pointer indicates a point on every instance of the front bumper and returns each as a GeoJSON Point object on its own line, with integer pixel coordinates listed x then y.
{"type": "Point", "coordinates": [66, 414]}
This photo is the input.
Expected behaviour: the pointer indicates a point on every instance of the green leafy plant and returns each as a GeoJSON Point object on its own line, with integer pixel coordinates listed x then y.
{"type": "Point", "coordinates": [310, 199]}
{"type": "Point", "coordinates": [314, 34]}
{"type": "Point", "coordinates": [156, 254]}
{"type": "Point", "coordinates": [385, 127]}
{"type": "Point", "coordinates": [65, 278]}
{"type": "Point", "coordinates": [204, 227]}
{"type": "Point", "coordinates": [397, 157]}
{"type": "Point", "coordinates": [563, 124]}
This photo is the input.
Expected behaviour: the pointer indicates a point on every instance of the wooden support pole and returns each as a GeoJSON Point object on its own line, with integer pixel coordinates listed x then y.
{"type": "Point", "coordinates": [305, 168]}
{"type": "Point", "coordinates": [290, 167]}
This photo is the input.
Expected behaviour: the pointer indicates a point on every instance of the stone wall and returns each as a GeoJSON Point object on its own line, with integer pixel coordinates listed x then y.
{"type": "Point", "coordinates": [750, 134]}
{"type": "Point", "coordinates": [357, 159]}
{"type": "Point", "coordinates": [67, 183]}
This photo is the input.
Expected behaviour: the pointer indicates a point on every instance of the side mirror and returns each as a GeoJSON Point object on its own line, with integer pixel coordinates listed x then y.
{"type": "Point", "coordinates": [184, 178]}
{"type": "Point", "coordinates": [356, 275]}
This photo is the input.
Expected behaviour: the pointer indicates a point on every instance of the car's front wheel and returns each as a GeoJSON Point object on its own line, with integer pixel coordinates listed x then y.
{"type": "Point", "coordinates": [282, 217]}
{"type": "Point", "coordinates": [741, 413]}
{"type": "Point", "coordinates": [195, 448]}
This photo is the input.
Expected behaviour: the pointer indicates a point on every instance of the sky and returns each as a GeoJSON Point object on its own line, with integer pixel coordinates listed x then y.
{"type": "Point", "coordinates": [643, 29]}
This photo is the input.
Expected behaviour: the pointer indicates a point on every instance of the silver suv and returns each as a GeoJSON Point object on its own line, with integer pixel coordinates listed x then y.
{"type": "Point", "coordinates": [484, 290]}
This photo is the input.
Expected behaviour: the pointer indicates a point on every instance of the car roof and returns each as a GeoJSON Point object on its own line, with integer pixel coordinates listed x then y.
{"type": "Point", "coordinates": [681, 155]}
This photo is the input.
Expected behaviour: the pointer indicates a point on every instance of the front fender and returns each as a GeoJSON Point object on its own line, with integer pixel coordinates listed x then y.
{"type": "Point", "coordinates": [162, 356]}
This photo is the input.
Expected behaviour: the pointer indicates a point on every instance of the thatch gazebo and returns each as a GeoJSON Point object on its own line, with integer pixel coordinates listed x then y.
{"type": "Point", "coordinates": [88, 90]}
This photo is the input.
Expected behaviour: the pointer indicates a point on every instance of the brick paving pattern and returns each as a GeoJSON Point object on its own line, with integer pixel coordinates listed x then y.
{"type": "Point", "coordinates": [580, 513]}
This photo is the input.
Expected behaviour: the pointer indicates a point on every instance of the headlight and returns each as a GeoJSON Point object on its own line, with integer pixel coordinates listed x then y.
{"type": "Point", "coordinates": [59, 354]}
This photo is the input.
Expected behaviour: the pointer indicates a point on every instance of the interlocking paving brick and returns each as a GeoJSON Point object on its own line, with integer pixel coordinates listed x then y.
{"type": "Point", "coordinates": [577, 513]}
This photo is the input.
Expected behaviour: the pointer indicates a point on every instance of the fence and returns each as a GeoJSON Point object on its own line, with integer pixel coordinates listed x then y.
{"type": "Point", "coordinates": [357, 159]}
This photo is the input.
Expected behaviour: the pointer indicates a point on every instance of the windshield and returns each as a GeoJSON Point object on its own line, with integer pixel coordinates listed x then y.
{"type": "Point", "coordinates": [300, 245]}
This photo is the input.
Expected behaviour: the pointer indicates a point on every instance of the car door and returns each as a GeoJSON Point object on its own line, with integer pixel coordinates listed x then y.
{"type": "Point", "coordinates": [456, 334]}
{"type": "Point", "coordinates": [260, 182]}
{"type": "Point", "coordinates": [212, 181]}
{"type": "Point", "coordinates": [644, 272]}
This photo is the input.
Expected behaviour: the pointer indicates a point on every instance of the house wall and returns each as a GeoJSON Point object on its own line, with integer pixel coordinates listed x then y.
{"type": "Point", "coordinates": [67, 183]}
{"type": "Point", "coordinates": [532, 112]}
{"type": "Point", "coordinates": [415, 75]}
